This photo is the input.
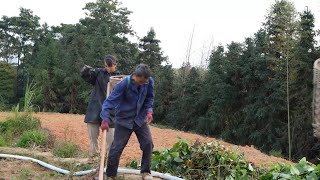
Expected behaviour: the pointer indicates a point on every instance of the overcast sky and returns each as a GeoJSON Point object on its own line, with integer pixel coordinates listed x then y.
{"type": "Point", "coordinates": [214, 21]}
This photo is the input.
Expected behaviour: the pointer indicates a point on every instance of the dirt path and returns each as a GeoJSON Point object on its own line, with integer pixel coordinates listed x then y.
{"type": "Point", "coordinates": [71, 126]}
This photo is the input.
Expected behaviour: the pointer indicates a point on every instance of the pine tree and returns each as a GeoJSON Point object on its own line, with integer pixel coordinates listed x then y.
{"type": "Point", "coordinates": [152, 55]}
{"type": "Point", "coordinates": [302, 86]}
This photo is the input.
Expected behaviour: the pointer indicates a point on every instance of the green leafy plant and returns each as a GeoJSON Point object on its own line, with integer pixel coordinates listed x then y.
{"type": "Point", "coordinates": [172, 160]}
{"type": "Point", "coordinates": [302, 170]}
{"type": "Point", "coordinates": [201, 161]}
{"type": "Point", "coordinates": [66, 149]}
{"type": "Point", "coordinates": [33, 138]}
{"type": "Point", "coordinates": [28, 106]}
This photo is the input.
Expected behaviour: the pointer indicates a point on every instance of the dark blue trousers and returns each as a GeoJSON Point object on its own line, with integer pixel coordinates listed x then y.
{"type": "Point", "coordinates": [121, 137]}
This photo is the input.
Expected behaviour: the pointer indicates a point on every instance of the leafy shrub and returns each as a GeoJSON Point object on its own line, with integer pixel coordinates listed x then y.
{"type": "Point", "coordinates": [201, 161]}
{"type": "Point", "coordinates": [66, 149]}
{"type": "Point", "coordinates": [172, 160]}
{"type": "Point", "coordinates": [33, 138]}
{"type": "Point", "coordinates": [302, 170]}
{"type": "Point", "coordinates": [214, 161]}
{"type": "Point", "coordinates": [19, 124]}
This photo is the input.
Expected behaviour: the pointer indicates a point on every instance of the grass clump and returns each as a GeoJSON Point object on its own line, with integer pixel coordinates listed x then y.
{"type": "Point", "coordinates": [14, 127]}
{"type": "Point", "coordinates": [25, 174]}
{"type": "Point", "coordinates": [33, 138]}
{"type": "Point", "coordinates": [19, 124]}
{"type": "Point", "coordinates": [66, 149]}
{"type": "Point", "coordinates": [2, 142]}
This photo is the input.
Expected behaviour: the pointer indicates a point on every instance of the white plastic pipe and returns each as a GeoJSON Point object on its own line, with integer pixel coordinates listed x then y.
{"type": "Point", "coordinates": [153, 173]}
{"type": "Point", "coordinates": [80, 173]}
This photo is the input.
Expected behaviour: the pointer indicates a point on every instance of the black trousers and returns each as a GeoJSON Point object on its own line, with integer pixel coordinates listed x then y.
{"type": "Point", "coordinates": [121, 137]}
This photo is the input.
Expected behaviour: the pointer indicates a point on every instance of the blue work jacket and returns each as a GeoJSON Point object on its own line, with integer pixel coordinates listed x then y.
{"type": "Point", "coordinates": [130, 102]}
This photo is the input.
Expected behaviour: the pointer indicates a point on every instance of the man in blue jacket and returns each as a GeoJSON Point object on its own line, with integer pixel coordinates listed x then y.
{"type": "Point", "coordinates": [132, 99]}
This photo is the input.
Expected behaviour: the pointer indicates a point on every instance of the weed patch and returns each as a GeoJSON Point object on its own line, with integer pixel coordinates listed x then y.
{"type": "Point", "coordinates": [33, 138]}
{"type": "Point", "coordinates": [66, 149]}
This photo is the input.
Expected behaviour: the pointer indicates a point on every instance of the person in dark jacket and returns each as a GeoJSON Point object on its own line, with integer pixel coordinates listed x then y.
{"type": "Point", "coordinates": [99, 78]}
{"type": "Point", "coordinates": [133, 99]}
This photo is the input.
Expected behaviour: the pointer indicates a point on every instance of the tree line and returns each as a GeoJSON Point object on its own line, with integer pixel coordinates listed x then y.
{"type": "Point", "coordinates": [240, 97]}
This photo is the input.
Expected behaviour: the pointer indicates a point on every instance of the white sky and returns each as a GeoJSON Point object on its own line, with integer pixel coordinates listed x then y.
{"type": "Point", "coordinates": [216, 21]}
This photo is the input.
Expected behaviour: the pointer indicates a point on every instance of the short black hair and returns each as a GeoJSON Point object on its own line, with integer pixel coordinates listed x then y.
{"type": "Point", "coordinates": [110, 60]}
{"type": "Point", "coordinates": [142, 70]}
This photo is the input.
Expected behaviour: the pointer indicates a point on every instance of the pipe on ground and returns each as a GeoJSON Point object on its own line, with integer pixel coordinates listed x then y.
{"type": "Point", "coordinates": [81, 173]}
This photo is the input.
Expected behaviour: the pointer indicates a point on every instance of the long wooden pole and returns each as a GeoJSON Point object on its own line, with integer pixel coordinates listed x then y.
{"type": "Point", "coordinates": [103, 145]}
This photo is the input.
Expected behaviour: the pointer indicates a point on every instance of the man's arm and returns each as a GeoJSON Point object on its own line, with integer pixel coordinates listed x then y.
{"type": "Point", "coordinates": [148, 104]}
{"type": "Point", "coordinates": [113, 100]}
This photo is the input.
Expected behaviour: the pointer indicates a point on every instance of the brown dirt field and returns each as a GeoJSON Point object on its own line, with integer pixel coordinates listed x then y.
{"type": "Point", "coordinates": [71, 126]}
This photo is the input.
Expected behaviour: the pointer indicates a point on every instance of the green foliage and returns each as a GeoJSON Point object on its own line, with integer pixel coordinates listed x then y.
{"type": "Point", "coordinates": [201, 161]}
{"type": "Point", "coordinates": [25, 174]}
{"type": "Point", "coordinates": [19, 34]}
{"type": "Point", "coordinates": [7, 80]}
{"type": "Point", "coordinates": [33, 138]}
{"type": "Point", "coordinates": [172, 160]}
{"type": "Point", "coordinates": [2, 141]}
{"type": "Point", "coordinates": [85, 167]}
{"type": "Point", "coordinates": [214, 161]}
{"type": "Point", "coordinates": [302, 170]}
{"type": "Point", "coordinates": [3, 104]}
{"type": "Point", "coordinates": [133, 164]}
{"type": "Point", "coordinates": [23, 127]}
{"type": "Point", "coordinates": [276, 153]}
{"type": "Point", "coordinates": [152, 55]}
{"type": "Point", "coordinates": [240, 96]}
{"type": "Point", "coordinates": [66, 149]}
{"type": "Point", "coordinates": [16, 126]}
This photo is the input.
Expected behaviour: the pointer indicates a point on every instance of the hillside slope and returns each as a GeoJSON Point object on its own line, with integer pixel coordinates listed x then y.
{"type": "Point", "coordinates": [71, 126]}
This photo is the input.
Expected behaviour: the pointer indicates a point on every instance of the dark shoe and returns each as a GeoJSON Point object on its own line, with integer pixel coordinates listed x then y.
{"type": "Point", "coordinates": [147, 176]}
{"type": "Point", "coordinates": [105, 177]}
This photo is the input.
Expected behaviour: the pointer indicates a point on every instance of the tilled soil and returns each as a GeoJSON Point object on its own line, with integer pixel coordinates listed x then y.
{"type": "Point", "coordinates": [72, 126]}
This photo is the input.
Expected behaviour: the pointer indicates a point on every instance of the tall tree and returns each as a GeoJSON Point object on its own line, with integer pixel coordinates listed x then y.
{"type": "Point", "coordinates": [152, 55]}
{"type": "Point", "coordinates": [302, 86]}
{"type": "Point", "coordinates": [20, 33]}
{"type": "Point", "coordinates": [109, 20]}
{"type": "Point", "coordinates": [281, 27]}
